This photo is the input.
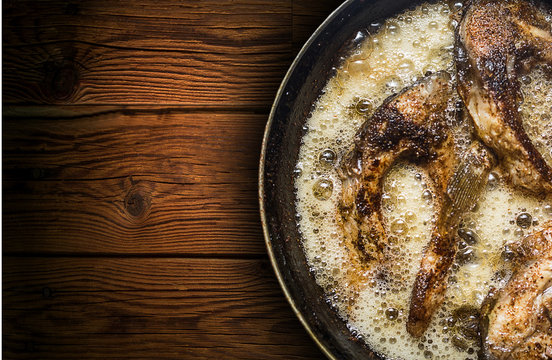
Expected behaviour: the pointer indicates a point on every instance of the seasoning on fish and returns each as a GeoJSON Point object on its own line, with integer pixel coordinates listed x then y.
{"type": "Point", "coordinates": [496, 42]}
{"type": "Point", "coordinates": [516, 321]}
{"type": "Point", "coordinates": [463, 191]}
{"type": "Point", "coordinates": [411, 126]}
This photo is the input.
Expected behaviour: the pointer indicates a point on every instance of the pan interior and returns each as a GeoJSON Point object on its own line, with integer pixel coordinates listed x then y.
{"type": "Point", "coordinates": [309, 142]}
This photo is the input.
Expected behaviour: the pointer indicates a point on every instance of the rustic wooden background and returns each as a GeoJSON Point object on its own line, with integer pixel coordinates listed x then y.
{"type": "Point", "coordinates": [131, 138]}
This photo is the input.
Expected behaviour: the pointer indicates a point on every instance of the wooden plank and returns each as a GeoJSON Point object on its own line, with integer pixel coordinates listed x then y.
{"type": "Point", "coordinates": [231, 53]}
{"type": "Point", "coordinates": [118, 180]}
{"type": "Point", "coordinates": [144, 308]}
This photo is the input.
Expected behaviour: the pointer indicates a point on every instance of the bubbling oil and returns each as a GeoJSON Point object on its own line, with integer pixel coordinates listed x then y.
{"type": "Point", "coordinates": [536, 89]}
{"type": "Point", "coordinates": [374, 305]}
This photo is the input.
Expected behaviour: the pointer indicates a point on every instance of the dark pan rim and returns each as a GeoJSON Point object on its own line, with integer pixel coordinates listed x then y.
{"type": "Point", "coordinates": [261, 193]}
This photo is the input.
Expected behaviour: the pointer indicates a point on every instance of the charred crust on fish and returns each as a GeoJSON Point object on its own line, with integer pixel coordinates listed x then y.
{"type": "Point", "coordinates": [497, 41]}
{"type": "Point", "coordinates": [409, 126]}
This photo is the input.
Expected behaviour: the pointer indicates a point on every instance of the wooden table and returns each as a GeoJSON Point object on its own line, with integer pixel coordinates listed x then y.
{"type": "Point", "coordinates": [131, 139]}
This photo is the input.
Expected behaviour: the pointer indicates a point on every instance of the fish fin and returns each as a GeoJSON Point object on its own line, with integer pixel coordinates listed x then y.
{"type": "Point", "coordinates": [469, 179]}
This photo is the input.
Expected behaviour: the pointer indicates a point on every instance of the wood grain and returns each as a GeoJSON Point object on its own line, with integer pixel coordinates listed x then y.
{"type": "Point", "coordinates": [115, 180]}
{"type": "Point", "coordinates": [231, 53]}
{"type": "Point", "coordinates": [131, 139]}
{"type": "Point", "coordinates": [147, 309]}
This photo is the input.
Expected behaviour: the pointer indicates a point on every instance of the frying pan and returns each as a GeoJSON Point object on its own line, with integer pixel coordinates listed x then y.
{"type": "Point", "coordinates": [294, 101]}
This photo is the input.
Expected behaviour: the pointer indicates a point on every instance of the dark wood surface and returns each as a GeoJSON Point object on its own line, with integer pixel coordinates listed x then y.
{"type": "Point", "coordinates": [131, 139]}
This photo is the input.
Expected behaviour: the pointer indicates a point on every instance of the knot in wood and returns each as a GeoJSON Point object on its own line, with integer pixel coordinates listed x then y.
{"type": "Point", "coordinates": [38, 173]}
{"type": "Point", "coordinates": [47, 292]}
{"type": "Point", "coordinates": [137, 202]}
{"type": "Point", "coordinates": [61, 80]}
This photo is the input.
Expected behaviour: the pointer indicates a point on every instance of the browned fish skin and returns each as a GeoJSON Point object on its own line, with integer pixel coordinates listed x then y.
{"type": "Point", "coordinates": [496, 41]}
{"type": "Point", "coordinates": [431, 281]}
{"type": "Point", "coordinates": [410, 125]}
{"type": "Point", "coordinates": [516, 321]}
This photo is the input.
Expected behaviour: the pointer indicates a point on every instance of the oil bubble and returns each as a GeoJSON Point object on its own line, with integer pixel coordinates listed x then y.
{"type": "Point", "coordinates": [323, 189]}
{"type": "Point", "coordinates": [427, 195]}
{"type": "Point", "coordinates": [391, 313]}
{"type": "Point", "coordinates": [401, 199]}
{"type": "Point", "coordinates": [357, 66]}
{"type": "Point", "coordinates": [465, 255]}
{"type": "Point", "coordinates": [393, 28]}
{"type": "Point", "coordinates": [399, 227]}
{"type": "Point", "coordinates": [468, 235]}
{"type": "Point", "coordinates": [429, 69]}
{"type": "Point", "coordinates": [363, 106]}
{"type": "Point", "coordinates": [507, 253]}
{"type": "Point", "coordinates": [492, 181]}
{"type": "Point", "coordinates": [457, 5]}
{"type": "Point", "coordinates": [327, 157]}
{"type": "Point", "coordinates": [519, 232]}
{"type": "Point", "coordinates": [393, 83]}
{"type": "Point", "coordinates": [524, 220]}
{"type": "Point", "coordinates": [406, 66]}
{"type": "Point", "coordinates": [410, 216]}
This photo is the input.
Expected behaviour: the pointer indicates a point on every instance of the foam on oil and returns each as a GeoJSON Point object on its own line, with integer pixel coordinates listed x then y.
{"type": "Point", "coordinates": [375, 308]}
{"type": "Point", "coordinates": [535, 109]}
